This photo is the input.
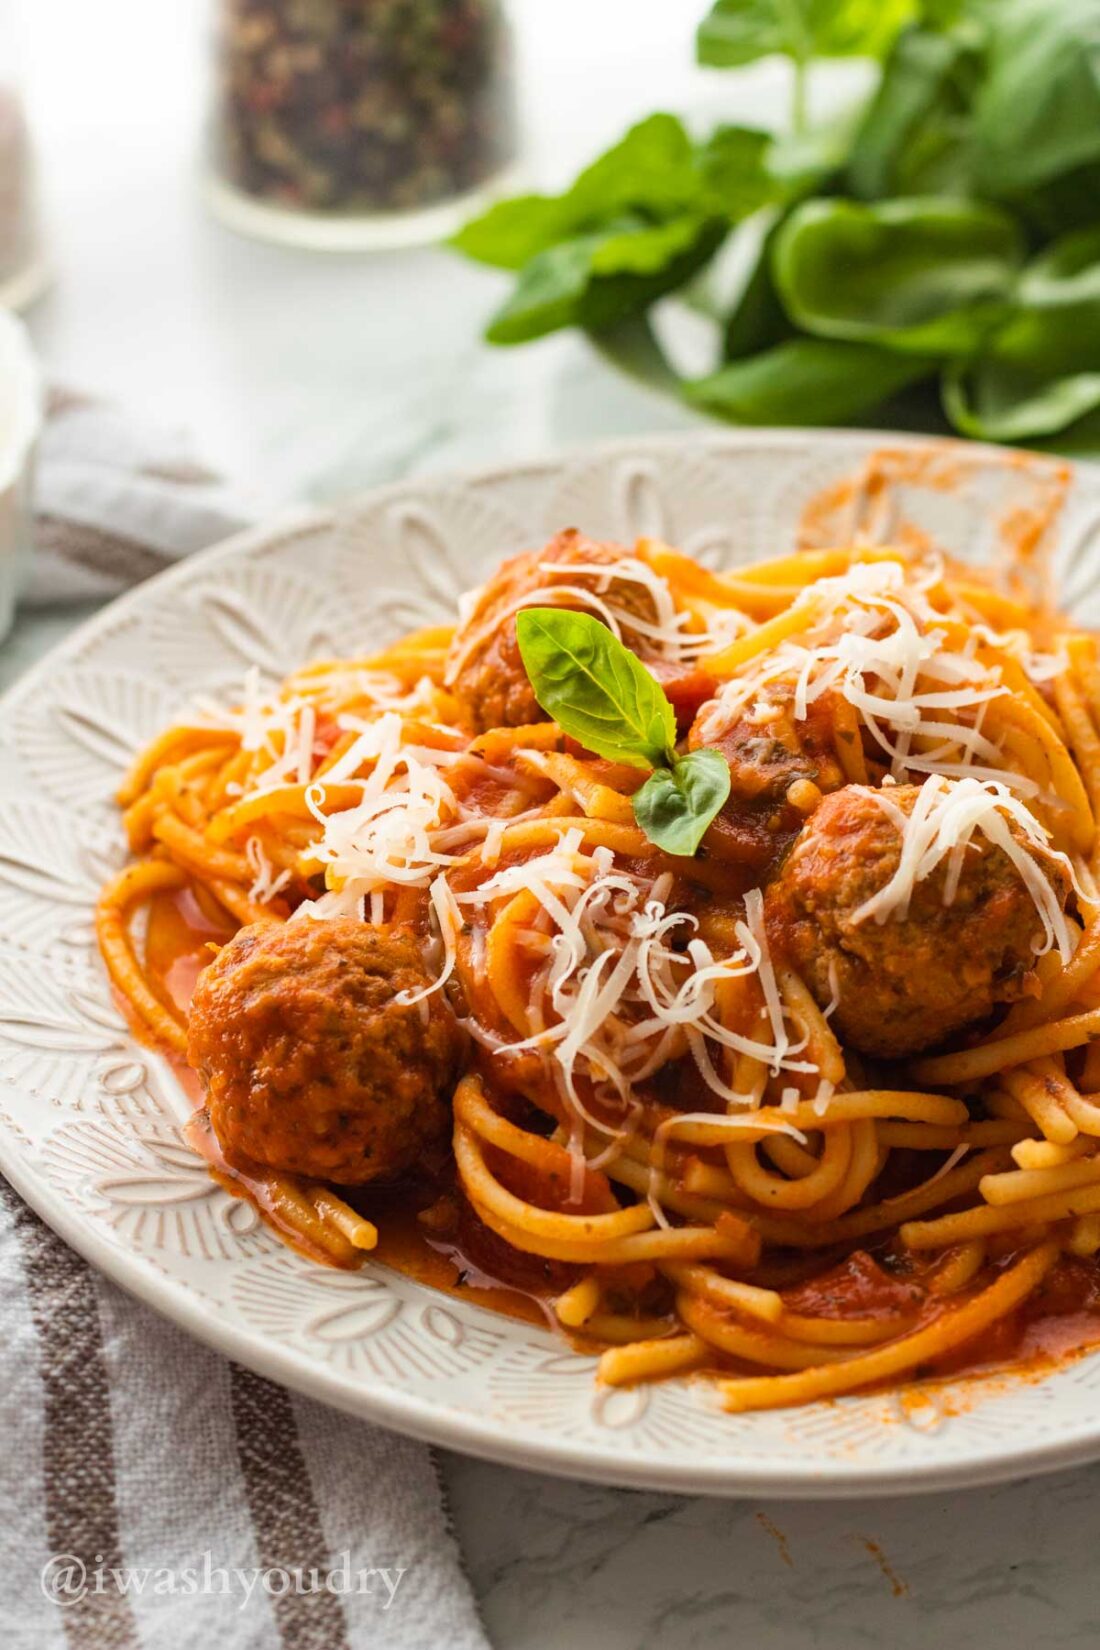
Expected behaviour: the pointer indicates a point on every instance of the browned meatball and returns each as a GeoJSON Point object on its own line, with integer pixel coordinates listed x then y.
{"type": "Point", "coordinates": [311, 1062]}
{"type": "Point", "coordinates": [769, 749]}
{"type": "Point", "coordinates": [779, 767]}
{"type": "Point", "coordinates": [910, 982]}
{"type": "Point", "coordinates": [485, 671]}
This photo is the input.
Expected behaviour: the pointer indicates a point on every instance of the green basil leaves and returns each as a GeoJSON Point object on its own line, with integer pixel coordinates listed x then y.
{"type": "Point", "coordinates": [595, 688]}
{"type": "Point", "coordinates": [602, 695]}
{"type": "Point", "coordinates": [676, 804]}
{"type": "Point", "coordinates": [928, 254]}
{"type": "Point", "coordinates": [737, 32]}
{"type": "Point", "coordinates": [926, 276]}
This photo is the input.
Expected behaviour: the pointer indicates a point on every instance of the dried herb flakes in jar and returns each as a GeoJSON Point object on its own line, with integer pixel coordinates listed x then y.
{"type": "Point", "coordinates": [362, 106]}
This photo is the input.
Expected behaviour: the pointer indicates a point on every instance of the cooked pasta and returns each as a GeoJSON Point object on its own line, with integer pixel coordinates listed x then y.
{"type": "Point", "coordinates": [808, 1109]}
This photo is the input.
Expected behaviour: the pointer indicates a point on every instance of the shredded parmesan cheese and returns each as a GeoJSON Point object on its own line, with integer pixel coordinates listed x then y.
{"type": "Point", "coordinates": [387, 837]}
{"type": "Point", "coordinates": [873, 637]}
{"type": "Point", "coordinates": [941, 826]}
{"type": "Point", "coordinates": [669, 630]}
{"type": "Point", "coordinates": [623, 984]}
{"type": "Point", "coordinates": [266, 884]}
{"type": "Point", "coordinates": [282, 728]}
{"type": "Point", "coordinates": [447, 922]}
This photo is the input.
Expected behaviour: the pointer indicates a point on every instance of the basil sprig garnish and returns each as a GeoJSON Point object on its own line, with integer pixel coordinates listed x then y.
{"type": "Point", "coordinates": [602, 695]}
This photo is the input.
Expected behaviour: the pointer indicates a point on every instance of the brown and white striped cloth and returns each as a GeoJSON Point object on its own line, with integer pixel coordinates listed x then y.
{"type": "Point", "coordinates": [154, 1496]}
{"type": "Point", "coordinates": [117, 501]}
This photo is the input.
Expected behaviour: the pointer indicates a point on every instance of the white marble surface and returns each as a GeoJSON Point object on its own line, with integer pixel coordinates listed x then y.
{"type": "Point", "coordinates": [312, 378]}
{"type": "Point", "coordinates": [559, 1565]}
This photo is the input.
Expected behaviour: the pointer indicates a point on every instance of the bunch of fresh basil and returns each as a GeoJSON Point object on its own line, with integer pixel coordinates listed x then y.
{"type": "Point", "coordinates": [944, 237]}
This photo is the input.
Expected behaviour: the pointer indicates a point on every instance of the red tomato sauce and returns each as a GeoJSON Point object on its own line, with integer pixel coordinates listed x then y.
{"type": "Point", "coordinates": [429, 1232]}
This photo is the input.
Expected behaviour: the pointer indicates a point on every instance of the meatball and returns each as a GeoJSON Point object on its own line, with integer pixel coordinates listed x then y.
{"type": "Point", "coordinates": [312, 1062]}
{"type": "Point", "coordinates": [485, 671]}
{"type": "Point", "coordinates": [911, 982]}
{"type": "Point", "coordinates": [779, 768]}
{"type": "Point", "coordinates": [768, 748]}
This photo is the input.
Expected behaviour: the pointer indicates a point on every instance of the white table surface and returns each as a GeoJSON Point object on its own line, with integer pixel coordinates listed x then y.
{"type": "Point", "coordinates": [311, 378]}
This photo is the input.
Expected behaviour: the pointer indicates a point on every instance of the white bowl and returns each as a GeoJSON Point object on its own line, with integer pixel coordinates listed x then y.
{"type": "Point", "coordinates": [20, 424]}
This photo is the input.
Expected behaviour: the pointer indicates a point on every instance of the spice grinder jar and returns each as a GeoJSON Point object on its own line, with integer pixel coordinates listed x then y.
{"type": "Point", "coordinates": [348, 124]}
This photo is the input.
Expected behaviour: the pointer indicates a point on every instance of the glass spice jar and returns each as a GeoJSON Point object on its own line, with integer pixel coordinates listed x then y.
{"type": "Point", "coordinates": [358, 123]}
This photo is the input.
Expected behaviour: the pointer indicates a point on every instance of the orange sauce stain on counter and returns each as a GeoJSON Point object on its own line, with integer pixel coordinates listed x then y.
{"type": "Point", "coordinates": [898, 1587]}
{"type": "Point", "coordinates": [772, 1528]}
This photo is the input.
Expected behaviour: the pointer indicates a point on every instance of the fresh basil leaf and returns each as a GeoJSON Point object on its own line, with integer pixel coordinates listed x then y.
{"type": "Point", "coordinates": [737, 174]}
{"type": "Point", "coordinates": [596, 281]}
{"type": "Point", "coordinates": [799, 164]}
{"type": "Point", "coordinates": [1062, 204]}
{"type": "Point", "coordinates": [611, 297]}
{"type": "Point", "coordinates": [915, 136]}
{"type": "Point", "coordinates": [982, 138]}
{"type": "Point", "coordinates": [925, 275]}
{"type": "Point", "coordinates": [807, 381]}
{"type": "Point", "coordinates": [943, 14]}
{"type": "Point", "coordinates": [1040, 373]}
{"type": "Point", "coordinates": [807, 161]}
{"type": "Point", "coordinates": [743, 31]}
{"type": "Point", "coordinates": [652, 170]}
{"type": "Point", "coordinates": [595, 688]}
{"type": "Point", "coordinates": [1054, 323]}
{"type": "Point", "coordinates": [646, 250]}
{"type": "Point", "coordinates": [1037, 114]}
{"type": "Point", "coordinates": [757, 319]}
{"type": "Point", "coordinates": [675, 805]}
{"type": "Point", "coordinates": [632, 346]}
{"type": "Point", "coordinates": [512, 232]}
{"type": "Point", "coordinates": [548, 293]}
{"type": "Point", "coordinates": [995, 401]}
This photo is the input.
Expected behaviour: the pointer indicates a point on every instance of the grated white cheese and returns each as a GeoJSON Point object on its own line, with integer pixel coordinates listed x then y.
{"type": "Point", "coordinates": [617, 998]}
{"type": "Point", "coordinates": [386, 837]}
{"type": "Point", "coordinates": [669, 629]}
{"type": "Point", "coordinates": [944, 819]}
{"type": "Point", "coordinates": [873, 637]}
{"type": "Point", "coordinates": [280, 727]}
{"type": "Point", "coordinates": [266, 884]}
{"type": "Point", "coordinates": [447, 923]}
{"type": "Point", "coordinates": [493, 842]}
{"type": "Point", "coordinates": [283, 726]}
{"type": "Point", "coordinates": [950, 1162]}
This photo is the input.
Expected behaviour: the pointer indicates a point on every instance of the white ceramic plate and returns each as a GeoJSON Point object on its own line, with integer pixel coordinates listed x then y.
{"type": "Point", "coordinates": [88, 1119]}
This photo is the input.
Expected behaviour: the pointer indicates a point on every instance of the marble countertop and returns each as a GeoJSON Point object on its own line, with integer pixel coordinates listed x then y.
{"type": "Point", "coordinates": [312, 378]}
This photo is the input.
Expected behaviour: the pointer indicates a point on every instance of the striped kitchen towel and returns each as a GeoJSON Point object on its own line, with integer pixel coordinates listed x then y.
{"type": "Point", "coordinates": [154, 1496]}
{"type": "Point", "coordinates": [117, 501]}
{"type": "Point", "coordinates": [157, 1497]}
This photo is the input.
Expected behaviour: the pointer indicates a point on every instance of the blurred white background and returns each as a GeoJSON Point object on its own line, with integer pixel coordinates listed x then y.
{"type": "Point", "coordinates": [311, 375]}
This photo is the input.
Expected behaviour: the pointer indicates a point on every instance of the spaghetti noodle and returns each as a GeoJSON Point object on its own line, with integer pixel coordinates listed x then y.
{"type": "Point", "coordinates": [672, 1119]}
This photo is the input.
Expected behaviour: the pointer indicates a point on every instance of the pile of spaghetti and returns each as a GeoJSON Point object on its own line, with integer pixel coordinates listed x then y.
{"type": "Point", "coordinates": [659, 1125]}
